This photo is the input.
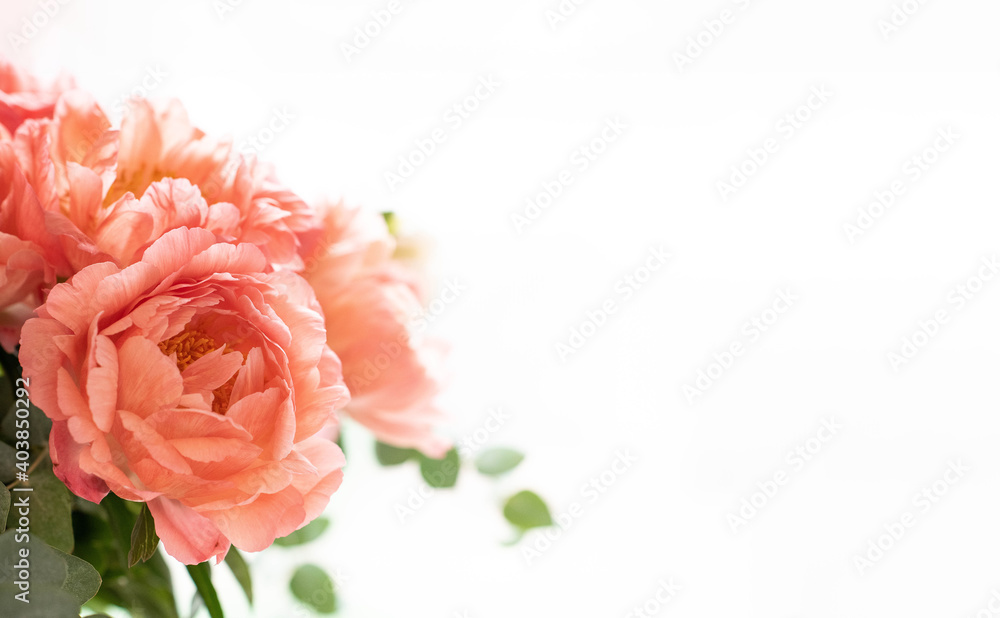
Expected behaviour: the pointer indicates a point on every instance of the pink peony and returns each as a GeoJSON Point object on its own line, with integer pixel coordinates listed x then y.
{"type": "Point", "coordinates": [192, 381]}
{"type": "Point", "coordinates": [370, 304]}
{"type": "Point", "coordinates": [159, 141]}
{"type": "Point", "coordinates": [34, 243]}
{"type": "Point", "coordinates": [124, 189]}
{"type": "Point", "coordinates": [22, 96]}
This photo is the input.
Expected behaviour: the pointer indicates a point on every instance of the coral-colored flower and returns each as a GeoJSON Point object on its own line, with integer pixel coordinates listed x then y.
{"type": "Point", "coordinates": [371, 306]}
{"type": "Point", "coordinates": [125, 188]}
{"type": "Point", "coordinates": [22, 96]}
{"type": "Point", "coordinates": [34, 243]}
{"type": "Point", "coordinates": [195, 382]}
{"type": "Point", "coordinates": [159, 141]}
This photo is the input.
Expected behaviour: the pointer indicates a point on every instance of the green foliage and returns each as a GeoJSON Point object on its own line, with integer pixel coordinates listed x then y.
{"type": "Point", "coordinates": [51, 508]}
{"type": "Point", "coordinates": [389, 455]}
{"type": "Point", "coordinates": [201, 575]}
{"type": "Point", "coordinates": [440, 473]}
{"type": "Point", "coordinates": [144, 539]}
{"type": "Point", "coordinates": [305, 534]}
{"type": "Point", "coordinates": [4, 506]}
{"type": "Point", "coordinates": [103, 538]}
{"type": "Point", "coordinates": [236, 563]}
{"type": "Point", "coordinates": [311, 585]}
{"type": "Point", "coordinates": [497, 461]}
{"type": "Point", "coordinates": [59, 583]}
{"type": "Point", "coordinates": [526, 510]}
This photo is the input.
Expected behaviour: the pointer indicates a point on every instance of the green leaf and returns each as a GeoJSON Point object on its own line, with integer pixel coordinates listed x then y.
{"type": "Point", "coordinates": [497, 461]}
{"type": "Point", "coordinates": [8, 457]}
{"type": "Point", "coordinates": [82, 580]}
{"type": "Point", "coordinates": [389, 455]}
{"type": "Point", "coordinates": [60, 583]}
{"type": "Point", "coordinates": [121, 521]}
{"type": "Point", "coordinates": [51, 509]}
{"type": "Point", "coordinates": [144, 590]}
{"type": "Point", "coordinates": [440, 473]}
{"type": "Point", "coordinates": [307, 533]}
{"type": "Point", "coordinates": [311, 585]}
{"type": "Point", "coordinates": [45, 601]}
{"type": "Point", "coordinates": [144, 539]}
{"type": "Point", "coordinates": [526, 510]}
{"type": "Point", "coordinates": [241, 571]}
{"type": "Point", "coordinates": [92, 540]}
{"type": "Point", "coordinates": [39, 425]}
{"type": "Point", "coordinates": [4, 506]}
{"type": "Point", "coordinates": [201, 574]}
{"type": "Point", "coordinates": [391, 222]}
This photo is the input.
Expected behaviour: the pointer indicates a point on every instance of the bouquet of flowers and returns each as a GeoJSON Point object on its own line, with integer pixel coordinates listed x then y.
{"type": "Point", "coordinates": [181, 336]}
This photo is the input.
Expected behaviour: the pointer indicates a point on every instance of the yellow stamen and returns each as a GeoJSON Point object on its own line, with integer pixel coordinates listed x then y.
{"type": "Point", "coordinates": [191, 345]}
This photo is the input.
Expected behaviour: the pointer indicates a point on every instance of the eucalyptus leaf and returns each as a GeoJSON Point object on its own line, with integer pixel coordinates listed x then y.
{"type": "Point", "coordinates": [54, 577]}
{"type": "Point", "coordinates": [526, 510]}
{"type": "Point", "coordinates": [311, 585]}
{"type": "Point", "coordinates": [389, 455]}
{"type": "Point", "coordinates": [4, 506]}
{"type": "Point", "coordinates": [307, 533]}
{"type": "Point", "coordinates": [440, 473]}
{"type": "Point", "coordinates": [497, 461]}
{"type": "Point", "coordinates": [51, 508]}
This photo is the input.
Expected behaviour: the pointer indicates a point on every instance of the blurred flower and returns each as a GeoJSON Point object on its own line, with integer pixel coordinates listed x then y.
{"type": "Point", "coordinates": [34, 244]}
{"type": "Point", "coordinates": [22, 96]}
{"type": "Point", "coordinates": [370, 301]}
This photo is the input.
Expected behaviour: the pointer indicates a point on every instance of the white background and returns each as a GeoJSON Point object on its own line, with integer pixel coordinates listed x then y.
{"type": "Point", "coordinates": [655, 186]}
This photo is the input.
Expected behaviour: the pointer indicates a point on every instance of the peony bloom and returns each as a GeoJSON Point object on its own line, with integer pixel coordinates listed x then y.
{"type": "Point", "coordinates": [159, 141]}
{"type": "Point", "coordinates": [192, 381]}
{"type": "Point", "coordinates": [371, 304]}
{"type": "Point", "coordinates": [22, 96]}
{"type": "Point", "coordinates": [125, 188]}
{"type": "Point", "coordinates": [34, 243]}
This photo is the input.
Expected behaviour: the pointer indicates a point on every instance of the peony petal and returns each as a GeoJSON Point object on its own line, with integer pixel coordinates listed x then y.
{"type": "Point", "coordinates": [186, 535]}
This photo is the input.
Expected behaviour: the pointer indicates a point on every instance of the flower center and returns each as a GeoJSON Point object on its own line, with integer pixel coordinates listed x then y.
{"type": "Point", "coordinates": [191, 345]}
{"type": "Point", "coordinates": [134, 183]}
